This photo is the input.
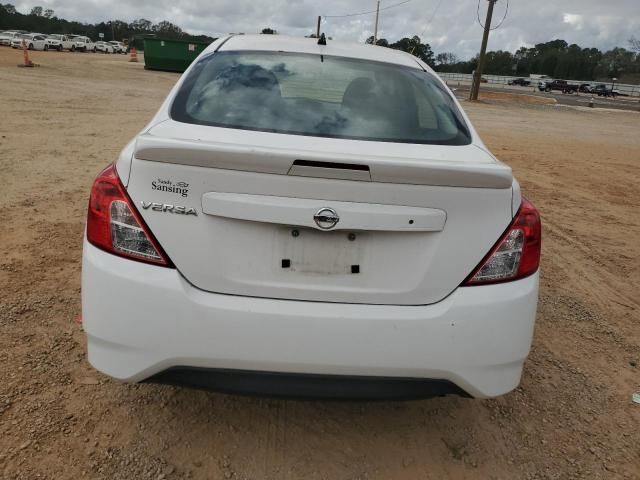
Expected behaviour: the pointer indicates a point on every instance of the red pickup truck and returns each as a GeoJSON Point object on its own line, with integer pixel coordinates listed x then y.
{"type": "Point", "coordinates": [562, 85]}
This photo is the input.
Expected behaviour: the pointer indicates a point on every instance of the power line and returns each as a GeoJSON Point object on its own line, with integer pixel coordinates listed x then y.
{"type": "Point", "coordinates": [435, 10]}
{"type": "Point", "coordinates": [369, 12]}
{"type": "Point", "coordinates": [506, 11]}
{"type": "Point", "coordinates": [432, 15]}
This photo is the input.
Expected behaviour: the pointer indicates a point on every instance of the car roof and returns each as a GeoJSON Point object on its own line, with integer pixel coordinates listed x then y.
{"type": "Point", "coordinates": [284, 43]}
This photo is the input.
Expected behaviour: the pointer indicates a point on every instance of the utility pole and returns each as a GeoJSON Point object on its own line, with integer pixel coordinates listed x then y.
{"type": "Point", "coordinates": [375, 31]}
{"type": "Point", "coordinates": [318, 28]}
{"type": "Point", "coordinates": [475, 86]}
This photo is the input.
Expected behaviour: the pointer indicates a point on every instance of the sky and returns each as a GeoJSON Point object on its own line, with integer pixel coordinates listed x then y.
{"type": "Point", "coordinates": [447, 25]}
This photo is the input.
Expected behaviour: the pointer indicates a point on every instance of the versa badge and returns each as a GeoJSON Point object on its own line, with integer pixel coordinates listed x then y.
{"type": "Point", "coordinates": [165, 207]}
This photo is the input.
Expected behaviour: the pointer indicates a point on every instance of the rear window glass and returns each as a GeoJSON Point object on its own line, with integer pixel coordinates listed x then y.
{"type": "Point", "coordinates": [320, 96]}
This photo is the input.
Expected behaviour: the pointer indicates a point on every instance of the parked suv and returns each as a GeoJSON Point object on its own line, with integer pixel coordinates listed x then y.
{"type": "Point", "coordinates": [84, 44]}
{"type": "Point", "coordinates": [60, 42]}
{"type": "Point", "coordinates": [311, 220]}
{"type": "Point", "coordinates": [603, 90]}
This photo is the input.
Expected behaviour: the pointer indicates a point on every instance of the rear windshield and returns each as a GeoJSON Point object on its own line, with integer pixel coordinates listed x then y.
{"type": "Point", "coordinates": [319, 96]}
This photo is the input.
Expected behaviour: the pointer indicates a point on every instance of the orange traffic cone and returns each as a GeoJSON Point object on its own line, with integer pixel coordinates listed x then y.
{"type": "Point", "coordinates": [25, 53]}
{"type": "Point", "coordinates": [134, 55]}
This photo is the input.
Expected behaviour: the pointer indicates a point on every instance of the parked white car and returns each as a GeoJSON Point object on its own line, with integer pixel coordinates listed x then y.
{"type": "Point", "coordinates": [7, 36]}
{"type": "Point", "coordinates": [34, 41]}
{"type": "Point", "coordinates": [311, 220]}
{"type": "Point", "coordinates": [118, 47]}
{"type": "Point", "coordinates": [60, 42]}
{"type": "Point", "coordinates": [84, 44]}
{"type": "Point", "coordinates": [104, 47]}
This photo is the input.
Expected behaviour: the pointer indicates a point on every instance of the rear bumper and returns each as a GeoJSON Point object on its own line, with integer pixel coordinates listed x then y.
{"type": "Point", "coordinates": [305, 385]}
{"type": "Point", "coordinates": [143, 320]}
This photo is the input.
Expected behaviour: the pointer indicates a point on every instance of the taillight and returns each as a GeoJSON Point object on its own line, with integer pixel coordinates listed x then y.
{"type": "Point", "coordinates": [517, 254]}
{"type": "Point", "coordinates": [114, 224]}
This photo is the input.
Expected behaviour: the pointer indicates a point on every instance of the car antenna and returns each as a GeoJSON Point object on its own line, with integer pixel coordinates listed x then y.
{"type": "Point", "coordinates": [322, 40]}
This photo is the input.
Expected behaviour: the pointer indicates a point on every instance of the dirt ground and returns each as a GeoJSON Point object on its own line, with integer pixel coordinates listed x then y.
{"type": "Point", "coordinates": [515, 98]}
{"type": "Point", "coordinates": [572, 417]}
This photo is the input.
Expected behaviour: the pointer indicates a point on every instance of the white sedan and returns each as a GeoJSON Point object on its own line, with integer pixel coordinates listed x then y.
{"type": "Point", "coordinates": [104, 47]}
{"type": "Point", "coordinates": [311, 218]}
{"type": "Point", "coordinates": [33, 41]}
{"type": "Point", "coordinates": [7, 36]}
{"type": "Point", "coordinates": [118, 47]}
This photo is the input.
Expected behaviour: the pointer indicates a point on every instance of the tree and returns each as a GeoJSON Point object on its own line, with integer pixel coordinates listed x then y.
{"type": "Point", "coordinates": [9, 9]}
{"type": "Point", "coordinates": [635, 44]}
{"type": "Point", "coordinates": [167, 29]}
{"type": "Point", "coordinates": [552, 45]}
{"type": "Point", "coordinates": [141, 25]}
{"type": "Point", "coordinates": [381, 42]}
{"type": "Point", "coordinates": [40, 20]}
{"type": "Point", "coordinates": [415, 47]}
{"type": "Point", "coordinates": [268, 31]}
{"type": "Point", "coordinates": [446, 58]}
{"type": "Point", "coordinates": [499, 63]}
{"type": "Point", "coordinates": [616, 61]}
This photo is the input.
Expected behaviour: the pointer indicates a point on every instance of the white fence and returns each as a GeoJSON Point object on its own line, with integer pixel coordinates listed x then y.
{"type": "Point", "coordinates": [465, 78]}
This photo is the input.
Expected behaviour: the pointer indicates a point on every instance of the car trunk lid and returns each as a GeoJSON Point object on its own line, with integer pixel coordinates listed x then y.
{"type": "Point", "coordinates": [412, 220]}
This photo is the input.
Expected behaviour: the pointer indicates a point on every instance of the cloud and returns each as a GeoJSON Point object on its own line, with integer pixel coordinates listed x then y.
{"type": "Point", "coordinates": [454, 27]}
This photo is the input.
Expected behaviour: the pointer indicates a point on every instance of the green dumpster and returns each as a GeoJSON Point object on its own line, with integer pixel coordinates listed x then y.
{"type": "Point", "coordinates": [171, 55]}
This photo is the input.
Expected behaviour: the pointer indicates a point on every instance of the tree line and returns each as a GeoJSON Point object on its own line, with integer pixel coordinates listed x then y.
{"type": "Point", "coordinates": [44, 20]}
{"type": "Point", "coordinates": [412, 45]}
{"type": "Point", "coordinates": [555, 59]}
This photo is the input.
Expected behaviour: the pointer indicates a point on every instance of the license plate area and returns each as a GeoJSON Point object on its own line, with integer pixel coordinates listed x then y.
{"type": "Point", "coordinates": [309, 251]}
